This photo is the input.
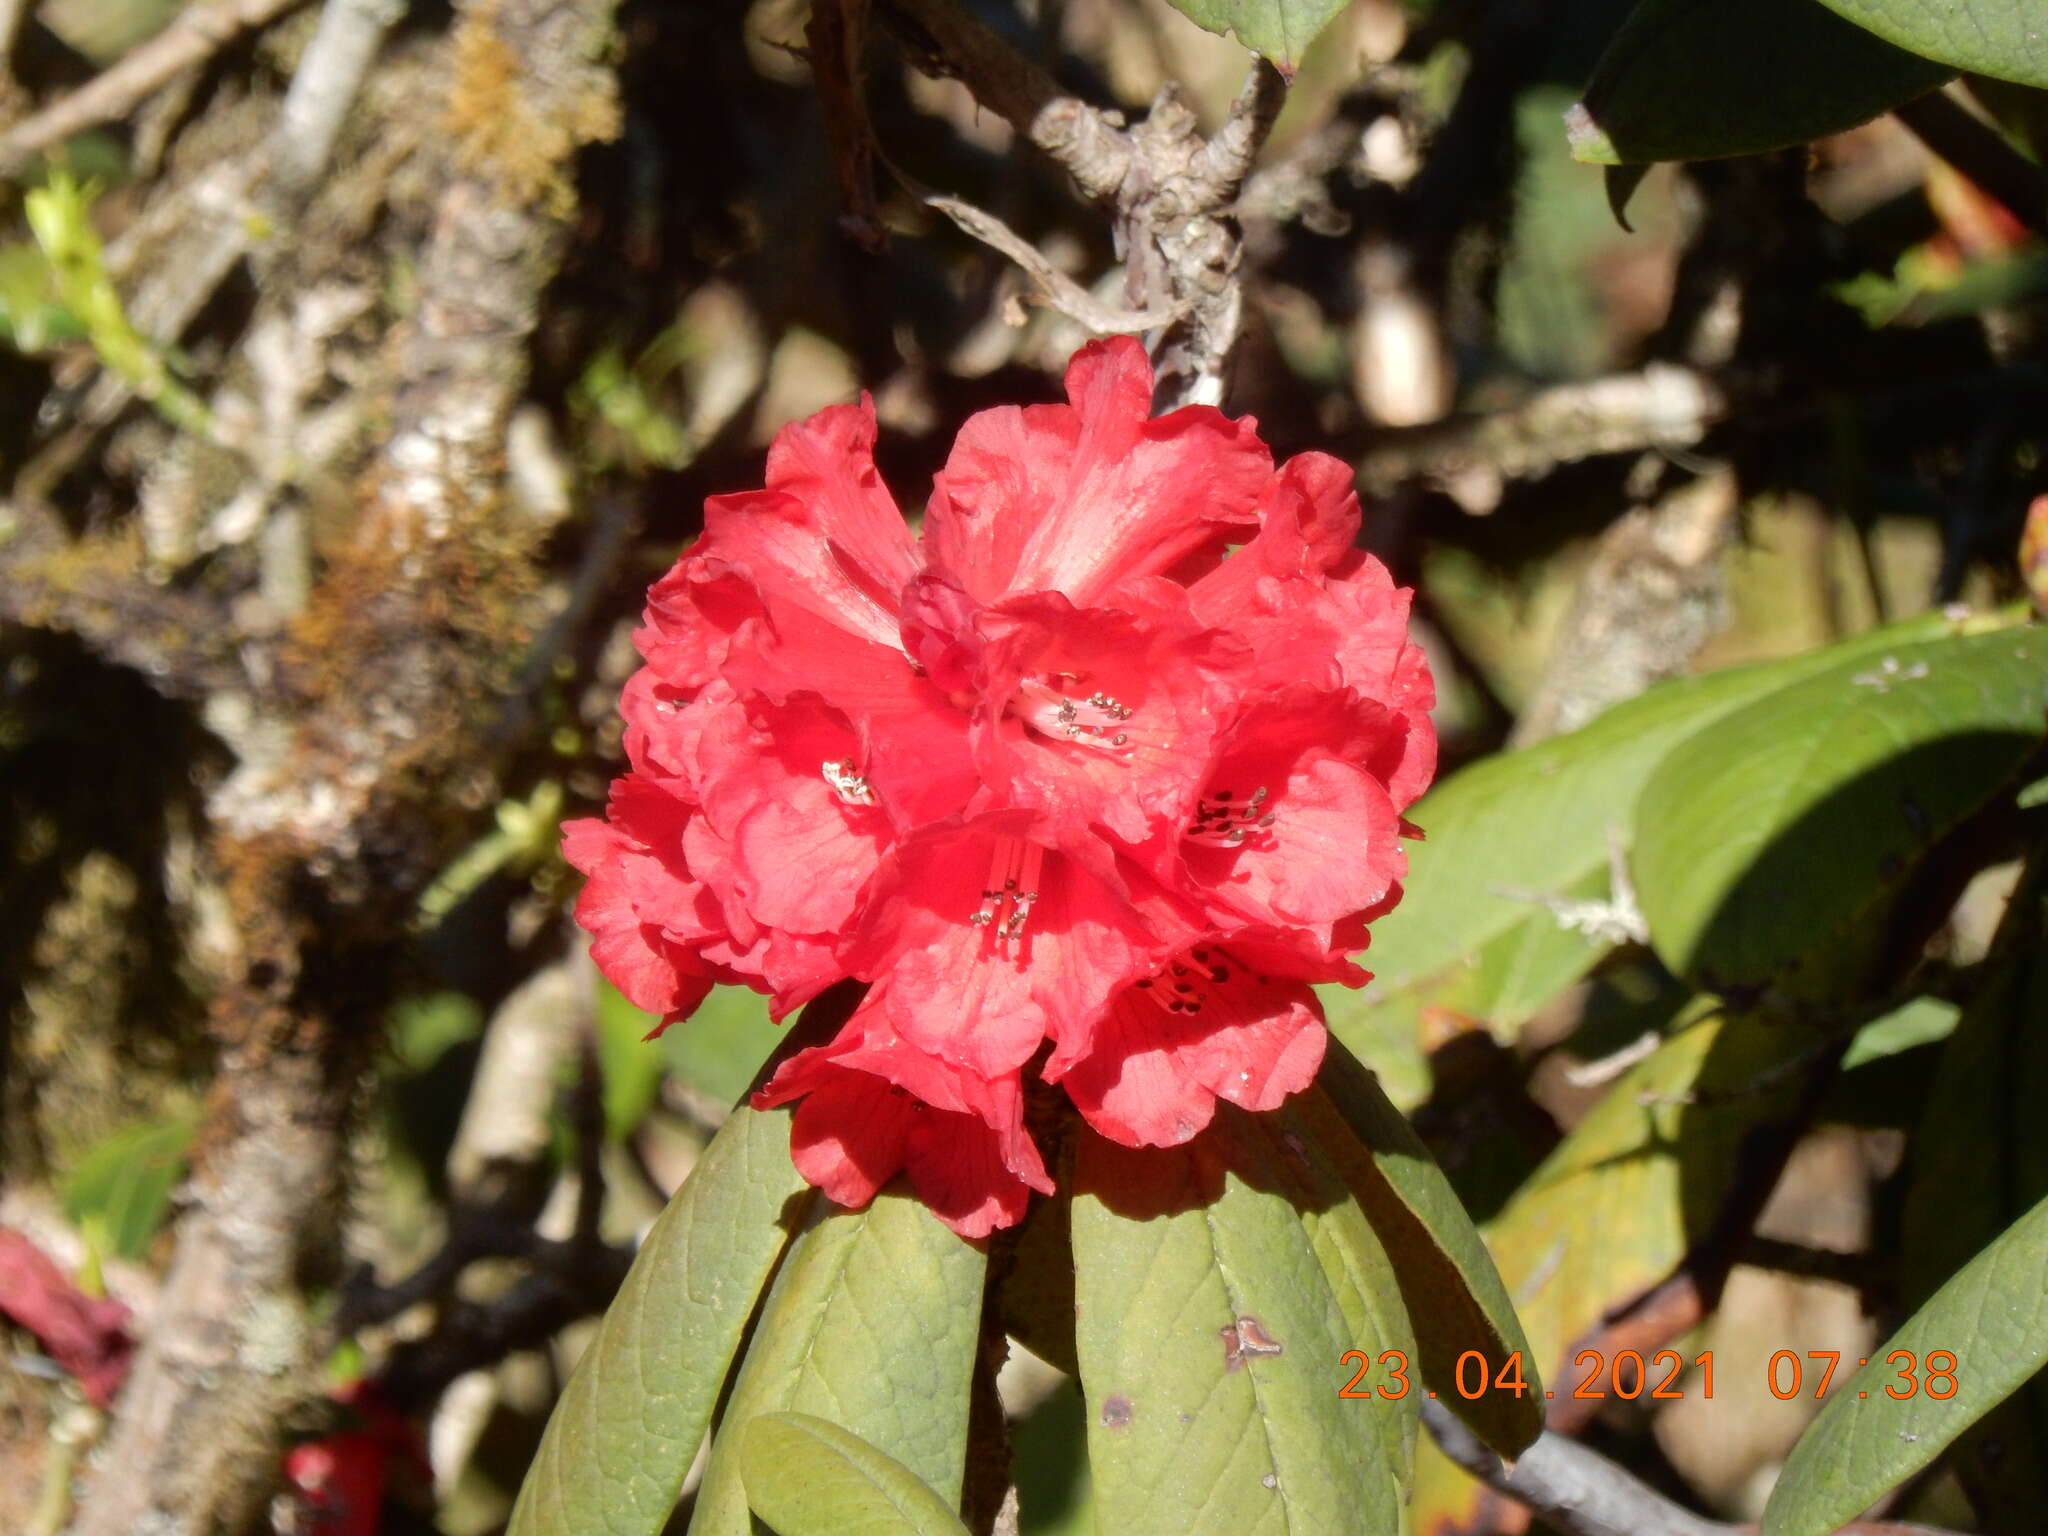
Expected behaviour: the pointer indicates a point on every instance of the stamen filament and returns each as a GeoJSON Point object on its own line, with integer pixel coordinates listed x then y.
{"type": "Point", "coordinates": [1090, 722]}
{"type": "Point", "coordinates": [1222, 822]}
{"type": "Point", "coordinates": [1012, 890]}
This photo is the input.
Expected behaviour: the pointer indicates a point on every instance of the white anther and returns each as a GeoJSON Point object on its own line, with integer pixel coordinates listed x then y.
{"type": "Point", "coordinates": [849, 786]}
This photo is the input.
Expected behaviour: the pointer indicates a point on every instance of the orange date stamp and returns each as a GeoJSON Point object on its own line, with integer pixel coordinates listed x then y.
{"type": "Point", "coordinates": [1627, 1375]}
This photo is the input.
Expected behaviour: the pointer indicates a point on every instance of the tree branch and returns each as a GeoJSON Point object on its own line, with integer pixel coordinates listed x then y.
{"type": "Point", "coordinates": [324, 87]}
{"type": "Point", "coordinates": [1577, 1490]}
{"type": "Point", "coordinates": [1058, 289]}
{"type": "Point", "coordinates": [944, 40]}
{"type": "Point", "coordinates": [198, 33]}
{"type": "Point", "coordinates": [1170, 191]}
{"type": "Point", "coordinates": [1942, 123]}
{"type": "Point", "coordinates": [1581, 1493]}
{"type": "Point", "coordinates": [356, 724]}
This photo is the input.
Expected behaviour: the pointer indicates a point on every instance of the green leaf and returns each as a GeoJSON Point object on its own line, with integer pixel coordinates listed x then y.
{"type": "Point", "coordinates": [1922, 1021]}
{"type": "Point", "coordinates": [806, 1476]}
{"type": "Point", "coordinates": [629, 1423]}
{"type": "Point", "coordinates": [1978, 1161]}
{"type": "Point", "coordinates": [2007, 39]}
{"type": "Point", "coordinates": [631, 1066]}
{"type": "Point", "coordinates": [1473, 933]}
{"type": "Point", "coordinates": [1049, 1463]}
{"type": "Point", "coordinates": [1454, 1296]}
{"type": "Point", "coordinates": [1616, 1205]}
{"type": "Point", "coordinates": [426, 1026]}
{"type": "Point", "coordinates": [874, 1321]}
{"type": "Point", "coordinates": [1698, 79]}
{"type": "Point", "coordinates": [1217, 1287]}
{"type": "Point", "coordinates": [1770, 851]}
{"type": "Point", "coordinates": [121, 1189]}
{"type": "Point", "coordinates": [1885, 1074]}
{"type": "Point", "coordinates": [1281, 30]}
{"type": "Point", "coordinates": [719, 1048]}
{"type": "Point", "coordinates": [1992, 1317]}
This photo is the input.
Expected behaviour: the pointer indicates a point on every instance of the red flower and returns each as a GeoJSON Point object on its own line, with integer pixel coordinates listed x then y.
{"type": "Point", "coordinates": [1111, 760]}
{"type": "Point", "coordinates": [87, 1335]}
{"type": "Point", "coordinates": [340, 1479]}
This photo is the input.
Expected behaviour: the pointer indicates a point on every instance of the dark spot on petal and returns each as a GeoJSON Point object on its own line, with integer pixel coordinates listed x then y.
{"type": "Point", "coordinates": [1116, 1411]}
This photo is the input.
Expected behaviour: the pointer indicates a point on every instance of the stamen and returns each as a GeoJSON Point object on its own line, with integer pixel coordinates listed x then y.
{"type": "Point", "coordinates": [1184, 992]}
{"type": "Point", "coordinates": [1089, 722]}
{"type": "Point", "coordinates": [849, 786]}
{"type": "Point", "coordinates": [1010, 892]}
{"type": "Point", "coordinates": [1222, 822]}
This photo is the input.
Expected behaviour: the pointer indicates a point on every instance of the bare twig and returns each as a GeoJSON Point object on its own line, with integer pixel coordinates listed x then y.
{"type": "Point", "coordinates": [199, 32]}
{"type": "Point", "coordinates": [1060, 290]}
{"type": "Point", "coordinates": [505, 1130]}
{"type": "Point", "coordinates": [1170, 191]}
{"type": "Point", "coordinates": [1653, 595]}
{"type": "Point", "coordinates": [1579, 1492]}
{"type": "Point", "coordinates": [324, 87]}
{"type": "Point", "coordinates": [1662, 407]}
{"type": "Point", "coordinates": [1178, 212]}
{"type": "Point", "coordinates": [835, 39]}
{"type": "Point", "coordinates": [12, 14]}
{"type": "Point", "coordinates": [215, 215]}
{"type": "Point", "coordinates": [946, 40]}
{"type": "Point", "coordinates": [1942, 123]}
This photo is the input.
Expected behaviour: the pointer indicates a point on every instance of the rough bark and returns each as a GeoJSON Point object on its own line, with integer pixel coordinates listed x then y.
{"type": "Point", "coordinates": [356, 727]}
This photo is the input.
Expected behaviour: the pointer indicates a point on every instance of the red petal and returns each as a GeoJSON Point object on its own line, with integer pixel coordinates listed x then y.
{"type": "Point", "coordinates": [1327, 840]}
{"type": "Point", "coordinates": [957, 990]}
{"type": "Point", "coordinates": [849, 1135]}
{"type": "Point", "coordinates": [1079, 498]}
{"type": "Point", "coordinates": [1167, 675]}
{"type": "Point", "coordinates": [867, 1115]}
{"type": "Point", "coordinates": [827, 462]}
{"type": "Point", "coordinates": [1154, 1076]}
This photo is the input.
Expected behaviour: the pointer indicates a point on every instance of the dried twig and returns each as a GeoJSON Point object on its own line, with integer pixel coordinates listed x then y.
{"type": "Point", "coordinates": [1060, 290]}
{"type": "Point", "coordinates": [12, 14]}
{"type": "Point", "coordinates": [1652, 596]}
{"type": "Point", "coordinates": [1170, 191]}
{"type": "Point", "coordinates": [1577, 1490]}
{"type": "Point", "coordinates": [199, 32]}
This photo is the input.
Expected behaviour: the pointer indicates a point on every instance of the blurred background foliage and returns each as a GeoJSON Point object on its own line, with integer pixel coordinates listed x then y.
{"type": "Point", "coordinates": [1802, 398]}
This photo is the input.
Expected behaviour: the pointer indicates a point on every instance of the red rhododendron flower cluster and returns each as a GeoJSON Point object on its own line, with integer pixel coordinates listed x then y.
{"type": "Point", "coordinates": [1094, 777]}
